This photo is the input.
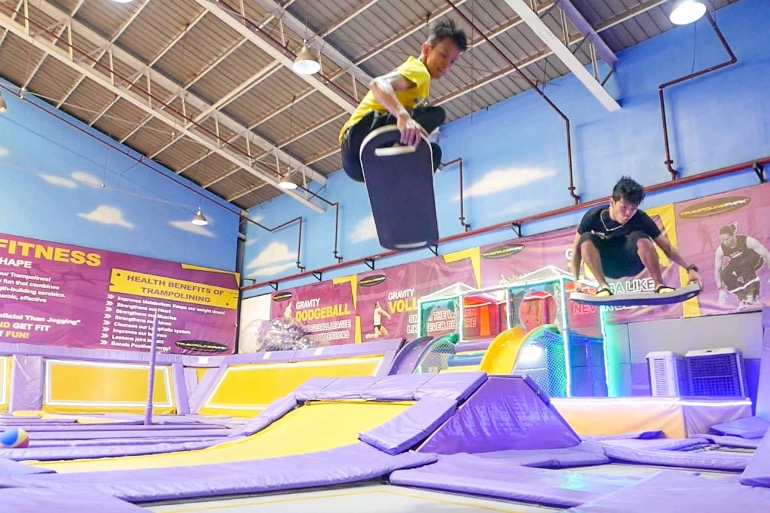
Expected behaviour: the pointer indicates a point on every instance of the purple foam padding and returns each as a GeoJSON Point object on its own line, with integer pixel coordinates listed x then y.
{"type": "Point", "coordinates": [273, 412]}
{"type": "Point", "coordinates": [671, 491]}
{"type": "Point", "coordinates": [404, 387]}
{"type": "Point", "coordinates": [398, 387]}
{"type": "Point", "coordinates": [349, 351]}
{"type": "Point", "coordinates": [469, 474]}
{"type": "Point", "coordinates": [757, 472]}
{"type": "Point", "coordinates": [406, 359]}
{"type": "Point", "coordinates": [455, 385]}
{"type": "Point", "coordinates": [127, 427]}
{"type": "Point", "coordinates": [92, 355]}
{"type": "Point", "coordinates": [349, 387]}
{"type": "Point", "coordinates": [36, 444]}
{"type": "Point", "coordinates": [190, 382]}
{"type": "Point", "coordinates": [180, 389]}
{"type": "Point", "coordinates": [261, 357]}
{"type": "Point", "coordinates": [62, 501]}
{"type": "Point", "coordinates": [411, 426]}
{"type": "Point", "coordinates": [763, 386]}
{"type": "Point", "coordinates": [659, 444]}
{"type": "Point", "coordinates": [504, 413]}
{"type": "Point", "coordinates": [747, 427]}
{"type": "Point", "coordinates": [27, 380]}
{"type": "Point", "coordinates": [85, 434]}
{"type": "Point", "coordinates": [731, 441]}
{"type": "Point", "coordinates": [105, 451]}
{"type": "Point", "coordinates": [9, 467]}
{"type": "Point", "coordinates": [641, 435]}
{"type": "Point", "coordinates": [342, 465]}
{"type": "Point", "coordinates": [205, 387]}
{"type": "Point", "coordinates": [710, 460]}
{"type": "Point", "coordinates": [586, 454]}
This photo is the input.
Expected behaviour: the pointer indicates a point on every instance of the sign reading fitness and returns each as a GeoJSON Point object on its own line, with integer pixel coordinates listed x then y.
{"type": "Point", "coordinates": [60, 295]}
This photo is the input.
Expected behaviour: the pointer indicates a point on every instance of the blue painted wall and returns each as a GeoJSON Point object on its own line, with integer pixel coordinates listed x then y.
{"type": "Point", "coordinates": [514, 152]}
{"type": "Point", "coordinates": [62, 185]}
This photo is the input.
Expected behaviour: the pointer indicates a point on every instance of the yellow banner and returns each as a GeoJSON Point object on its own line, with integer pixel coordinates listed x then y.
{"type": "Point", "coordinates": [161, 287]}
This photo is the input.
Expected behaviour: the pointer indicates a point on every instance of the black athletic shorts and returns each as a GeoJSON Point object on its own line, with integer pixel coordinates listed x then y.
{"type": "Point", "coordinates": [620, 258]}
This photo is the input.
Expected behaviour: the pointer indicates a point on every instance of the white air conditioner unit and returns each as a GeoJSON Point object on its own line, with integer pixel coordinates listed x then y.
{"type": "Point", "coordinates": [668, 374]}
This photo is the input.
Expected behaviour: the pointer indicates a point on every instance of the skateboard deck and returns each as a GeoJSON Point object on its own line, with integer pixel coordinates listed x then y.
{"type": "Point", "coordinates": [399, 181]}
{"type": "Point", "coordinates": [649, 298]}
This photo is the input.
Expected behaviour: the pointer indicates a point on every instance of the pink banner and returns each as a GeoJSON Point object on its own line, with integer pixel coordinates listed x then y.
{"type": "Point", "coordinates": [728, 237]}
{"type": "Point", "coordinates": [398, 288]}
{"type": "Point", "coordinates": [61, 295]}
{"type": "Point", "coordinates": [326, 310]}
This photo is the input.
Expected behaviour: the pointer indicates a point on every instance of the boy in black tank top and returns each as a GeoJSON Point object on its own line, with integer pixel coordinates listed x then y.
{"type": "Point", "coordinates": [618, 240]}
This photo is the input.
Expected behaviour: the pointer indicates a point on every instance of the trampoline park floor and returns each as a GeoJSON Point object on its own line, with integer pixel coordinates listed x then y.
{"type": "Point", "coordinates": [380, 498]}
{"type": "Point", "coordinates": [372, 498]}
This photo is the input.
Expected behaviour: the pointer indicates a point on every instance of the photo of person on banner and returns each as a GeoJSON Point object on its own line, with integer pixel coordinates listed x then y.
{"type": "Point", "coordinates": [737, 261]}
{"type": "Point", "coordinates": [379, 329]}
{"type": "Point", "coordinates": [618, 240]}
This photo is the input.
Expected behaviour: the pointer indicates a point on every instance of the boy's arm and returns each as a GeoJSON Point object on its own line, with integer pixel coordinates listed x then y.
{"type": "Point", "coordinates": [671, 252]}
{"type": "Point", "coordinates": [384, 89]}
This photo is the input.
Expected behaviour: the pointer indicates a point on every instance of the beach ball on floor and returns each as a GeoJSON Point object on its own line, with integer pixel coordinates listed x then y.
{"type": "Point", "coordinates": [14, 438]}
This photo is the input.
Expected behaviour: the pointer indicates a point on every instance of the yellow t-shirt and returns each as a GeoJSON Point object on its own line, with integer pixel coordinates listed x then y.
{"type": "Point", "coordinates": [413, 70]}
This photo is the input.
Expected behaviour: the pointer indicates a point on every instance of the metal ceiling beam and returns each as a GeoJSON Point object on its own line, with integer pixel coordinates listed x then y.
{"type": "Point", "coordinates": [228, 18]}
{"type": "Point", "coordinates": [64, 57]}
{"type": "Point", "coordinates": [192, 100]}
{"type": "Point", "coordinates": [299, 27]}
{"type": "Point", "coordinates": [542, 31]}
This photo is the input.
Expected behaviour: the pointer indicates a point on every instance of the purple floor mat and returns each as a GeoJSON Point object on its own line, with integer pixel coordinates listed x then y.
{"type": "Point", "coordinates": [87, 434]}
{"type": "Point", "coordinates": [707, 460]}
{"type": "Point", "coordinates": [674, 492]}
{"type": "Point", "coordinates": [468, 473]}
{"type": "Point", "coordinates": [104, 451]}
{"type": "Point", "coordinates": [343, 465]}
{"type": "Point", "coordinates": [34, 500]}
{"type": "Point", "coordinates": [757, 472]}
{"type": "Point", "coordinates": [586, 454]}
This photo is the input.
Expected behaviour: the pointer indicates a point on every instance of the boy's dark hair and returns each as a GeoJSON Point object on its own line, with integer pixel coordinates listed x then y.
{"type": "Point", "coordinates": [448, 28]}
{"type": "Point", "coordinates": [629, 190]}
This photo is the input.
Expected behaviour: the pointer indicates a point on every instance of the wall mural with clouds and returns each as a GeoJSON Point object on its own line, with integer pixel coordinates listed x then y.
{"type": "Point", "coordinates": [79, 190]}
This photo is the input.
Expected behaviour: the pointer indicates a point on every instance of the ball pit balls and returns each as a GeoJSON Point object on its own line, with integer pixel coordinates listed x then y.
{"type": "Point", "coordinates": [14, 438]}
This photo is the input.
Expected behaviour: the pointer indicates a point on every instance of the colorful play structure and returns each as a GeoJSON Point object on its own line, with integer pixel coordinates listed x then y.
{"type": "Point", "coordinates": [515, 406]}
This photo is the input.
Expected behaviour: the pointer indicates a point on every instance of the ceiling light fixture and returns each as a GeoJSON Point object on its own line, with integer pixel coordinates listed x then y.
{"type": "Point", "coordinates": [3, 105]}
{"type": "Point", "coordinates": [687, 11]}
{"type": "Point", "coordinates": [200, 219]}
{"type": "Point", "coordinates": [305, 63]}
{"type": "Point", "coordinates": [122, 1]}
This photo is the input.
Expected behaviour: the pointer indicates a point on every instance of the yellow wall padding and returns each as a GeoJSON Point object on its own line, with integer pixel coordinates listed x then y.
{"type": "Point", "coordinates": [310, 428]}
{"type": "Point", "coordinates": [245, 390]}
{"type": "Point", "coordinates": [5, 383]}
{"type": "Point", "coordinates": [81, 386]}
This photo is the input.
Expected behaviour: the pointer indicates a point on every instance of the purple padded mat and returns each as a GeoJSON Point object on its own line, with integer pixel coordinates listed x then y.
{"type": "Point", "coordinates": [101, 451]}
{"type": "Point", "coordinates": [12, 468]}
{"type": "Point", "coordinates": [709, 460]}
{"type": "Point", "coordinates": [748, 427]}
{"type": "Point", "coordinates": [343, 465]}
{"type": "Point", "coordinates": [505, 413]}
{"type": "Point", "coordinates": [586, 454]}
{"type": "Point", "coordinates": [33, 500]}
{"type": "Point", "coordinates": [466, 473]}
{"type": "Point", "coordinates": [757, 472]}
{"type": "Point", "coordinates": [411, 426]}
{"type": "Point", "coordinates": [672, 491]}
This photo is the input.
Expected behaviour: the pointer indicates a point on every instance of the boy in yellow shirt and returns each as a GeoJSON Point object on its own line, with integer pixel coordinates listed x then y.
{"type": "Point", "coordinates": [399, 98]}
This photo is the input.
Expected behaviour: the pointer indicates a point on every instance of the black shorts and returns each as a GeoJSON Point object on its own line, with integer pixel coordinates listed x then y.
{"type": "Point", "coordinates": [619, 256]}
{"type": "Point", "coordinates": [429, 117]}
{"type": "Point", "coordinates": [377, 326]}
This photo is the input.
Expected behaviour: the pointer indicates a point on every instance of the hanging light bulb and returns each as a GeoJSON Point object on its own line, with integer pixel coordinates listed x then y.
{"type": "Point", "coordinates": [305, 63]}
{"type": "Point", "coordinates": [3, 105]}
{"type": "Point", "coordinates": [687, 11]}
{"type": "Point", "coordinates": [200, 219]}
{"type": "Point", "coordinates": [287, 184]}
